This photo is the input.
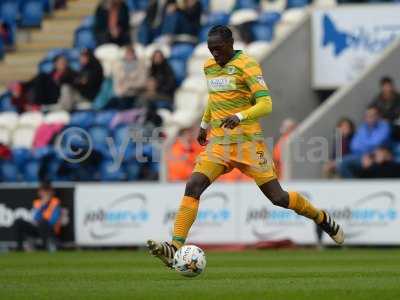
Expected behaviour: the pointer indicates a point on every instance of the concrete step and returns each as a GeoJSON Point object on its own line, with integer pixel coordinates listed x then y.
{"type": "Point", "coordinates": [22, 58]}
{"type": "Point", "coordinates": [68, 25]}
{"type": "Point", "coordinates": [45, 46]}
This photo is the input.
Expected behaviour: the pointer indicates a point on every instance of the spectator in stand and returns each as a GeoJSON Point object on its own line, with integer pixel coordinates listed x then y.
{"type": "Point", "coordinates": [85, 85]}
{"type": "Point", "coordinates": [181, 158]}
{"type": "Point", "coordinates": [341, 145]}
{"type": "Point", "coordinates": [152, 23]}
{"type": "Point", "coordinates": [49, 88]}
{"type": "Point", "coordinates": [388, 100]}
{"type": "Point", "coordinates": [129, 79]}
{"type": "Point", "coordinates": [20, 98]}
{"type": "Point", "coordinates": [183, 17]}
{"type": "Point", "coordinates": [46, 223]}
{"type": "Point", "coordinates": [371, 134]}
{"type": "Point", "coordinates": [163, 75]}
{"type": "Point", "coordinates": [112, 23]}
{"type": "Point", "coordinates": [380, 164]}
{"type": "Point", "coordinates": [287, 127]}
{"type": "Point", "coordinates": [5, 34]}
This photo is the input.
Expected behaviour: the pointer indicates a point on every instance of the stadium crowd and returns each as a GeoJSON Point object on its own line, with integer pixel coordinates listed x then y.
{"type": "Point", "coordinates": [372, 149]}
{"type": "Point", "coordinates": [131, 67]}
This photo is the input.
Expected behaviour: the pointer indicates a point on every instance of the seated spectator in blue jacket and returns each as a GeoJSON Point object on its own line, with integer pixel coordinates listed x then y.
{"type": "Point", "coordinates": [46, 223]}
{"type": "Point", "coordinates": [371, 134]}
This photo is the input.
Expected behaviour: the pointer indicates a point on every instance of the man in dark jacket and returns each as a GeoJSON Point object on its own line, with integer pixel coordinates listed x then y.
{"type": "Point", "coordinates": [112, 23]}
{"type": "Point", "coordinates": [388, 100]}
{"type": "Point", "coordinates": [380, 164]}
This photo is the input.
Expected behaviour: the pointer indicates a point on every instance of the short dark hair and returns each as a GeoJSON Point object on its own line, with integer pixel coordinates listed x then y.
{"type": "Point", "coordinates": [386, 79]}
{"type": "Point", "coordinates": [221, 30]}
{"type": "Point", "coordinates": [45, 185]}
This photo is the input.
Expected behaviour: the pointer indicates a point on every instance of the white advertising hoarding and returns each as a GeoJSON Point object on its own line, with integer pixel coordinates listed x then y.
{"type": "Point", "coordinates": [347, 39]}
{"type": "Point", "coordinates": [129, 214]}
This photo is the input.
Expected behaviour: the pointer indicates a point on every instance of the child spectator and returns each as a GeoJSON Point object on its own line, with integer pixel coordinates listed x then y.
{"type": "Point", "coordinates": [371, 134]}
{"type": "Point", "coordinates": [112, 23]}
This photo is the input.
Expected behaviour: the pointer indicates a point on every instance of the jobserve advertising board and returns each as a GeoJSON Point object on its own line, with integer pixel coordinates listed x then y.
{"type": "Point", "coordinates": [348, 39]}
{"type": "Point", "coordinates": [129, 214]}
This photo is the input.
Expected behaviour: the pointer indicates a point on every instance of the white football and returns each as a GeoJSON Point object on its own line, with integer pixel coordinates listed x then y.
{"type": "Point", "coordinates": [189, 261]}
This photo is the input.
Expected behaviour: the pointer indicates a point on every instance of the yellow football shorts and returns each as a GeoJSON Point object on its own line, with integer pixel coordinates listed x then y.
{"type": "Point", "coordinates": [251, 158]}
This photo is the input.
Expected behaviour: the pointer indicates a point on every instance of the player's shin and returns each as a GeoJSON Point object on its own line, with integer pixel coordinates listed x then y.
{"type": "Point", "coordinates": [304, 207]}
{"type": "Point", "coordinates": [184, 219]}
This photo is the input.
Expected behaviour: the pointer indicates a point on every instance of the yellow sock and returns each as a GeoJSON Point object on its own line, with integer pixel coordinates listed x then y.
{"type": "Point", "coordinates": [184, 219]}
{"type": "Point", "coordinates": [303, 206]}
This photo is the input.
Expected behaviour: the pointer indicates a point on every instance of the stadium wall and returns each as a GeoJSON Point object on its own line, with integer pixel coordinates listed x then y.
{"type": "Point", "coordinates": [127, 214]}
{"type": "Point", "coordinates": [287, 70]}
{"type": "Point", "coordinates": [308, 147]}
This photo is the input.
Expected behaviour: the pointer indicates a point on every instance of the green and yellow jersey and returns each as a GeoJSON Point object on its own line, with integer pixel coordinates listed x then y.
{"type": "Point", "coordinates": [236, 88]}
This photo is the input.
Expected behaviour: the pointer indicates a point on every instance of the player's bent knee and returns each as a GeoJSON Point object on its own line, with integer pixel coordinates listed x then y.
{"type": "Point", "coordinates": [196, 185]}
{"type": "Point", "coordinates": [281, 199]}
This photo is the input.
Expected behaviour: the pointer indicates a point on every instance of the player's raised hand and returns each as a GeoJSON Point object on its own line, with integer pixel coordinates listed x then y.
{"type": "Point", "coordinates": [230, 122]}
{"type": "Point", "coordinates": [202, 137]}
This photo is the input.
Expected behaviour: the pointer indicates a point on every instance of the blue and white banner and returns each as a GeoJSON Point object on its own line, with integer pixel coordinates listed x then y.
{"type": "Point", "coordinates": [129, 214]}
{"type": "Point", "coordinates": [347, 39]}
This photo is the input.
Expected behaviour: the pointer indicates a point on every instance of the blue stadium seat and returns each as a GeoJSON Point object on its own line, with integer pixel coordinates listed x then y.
{"type": "Point", "coordinates": [181, 51]}
{"type": "Point", "coordinates": [9, 10]}
{"type": "Point", "coordinates": [32, 13]}
{"type": "Point", "coordinates": [43, 152]}
{"type": "Point", "coordinates": [84, 38]}
{"type": "Point", "coordinates": [82, 119]}
{"type": "Point", "coordinates": [88, 22]}
{"type": "Point", "coordinates": [179, 68]}
{"type": "Point", "coordinates": [121, 134]}
{"type": "Point", "coordinates": [204, 33]}
{"type": "Point", "coordinates": [2, 51]}
{"type": "Point", "coordinates": [46, 66]}
{"type": "Point", "coordinates": [48, 6]}
{"type": "Point", "coordinates": [31, 171]}
{"type": "Point", "coordinates": [21, 156]}
{"type": "Point", "coordinates": [99, 135]}
{"type": "Point", "coordinates": [137, 4]}
{"type": "Point", "coordinates": [269, 17]}
{"type": "Point", "coordinates": [132, 170]}
{"type": "Point", "coordinates": [263, 32]}
{"type": "Point", "coordinates": [53, 167]}
{"type": "Point", "coordinates": [103, 118]}
{"type": "Point", "coordinates": [205, 5]}
{"type": "Point", "coordinates": [240, 4]}
{"type": "Point", "coordinates": [217, 18]}
{"type": "Point", "coordinates": [109, 173]}
{"type": "Point", "coordinates": [5, 102]}
{"type": "Point", "coordinates": [8, 171]}
{"type": "Point", "coordinates": [297, 3]}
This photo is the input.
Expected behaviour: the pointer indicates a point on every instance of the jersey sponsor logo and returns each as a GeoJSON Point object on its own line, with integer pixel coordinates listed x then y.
{"type": "Point", "coordinates": [230, 70]}
{"type": "Point", "coordinates": [260, 80]}
{"type": "Point", "coordinates": [224, 83]}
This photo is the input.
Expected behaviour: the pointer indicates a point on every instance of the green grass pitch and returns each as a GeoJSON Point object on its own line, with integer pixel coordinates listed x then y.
{"type": "Point", "coordinates": [285, 274]}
